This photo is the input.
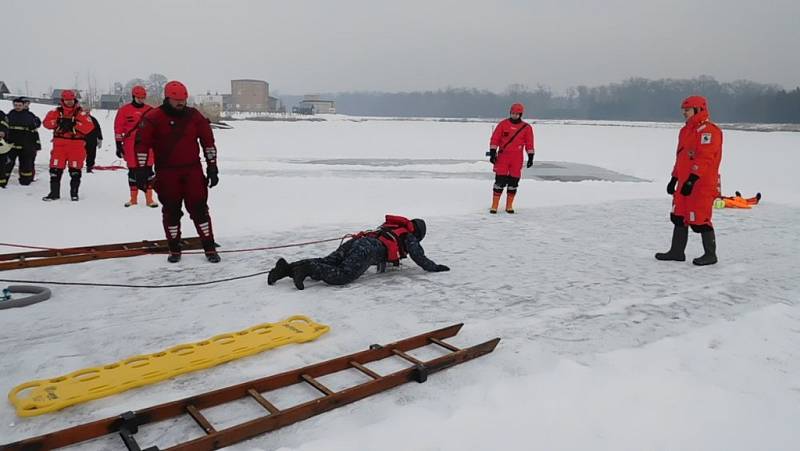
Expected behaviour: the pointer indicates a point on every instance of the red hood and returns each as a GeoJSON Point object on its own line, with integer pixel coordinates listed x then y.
{"type": "Point", "coordinates": [697, 118]}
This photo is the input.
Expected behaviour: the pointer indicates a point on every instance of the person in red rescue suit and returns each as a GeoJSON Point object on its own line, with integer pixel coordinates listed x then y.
{"type": "Point", "coordinates": [171, 132]}
{"type": "Point", "coordinates": [511, 138]}
{"type": "Point", "coordinates": [70, 125]}
{"type": "Point", "coordinates": [126, 124]}
{"type": "Point", "coordinates": [395, 239]}
{"type": "Point", "coordinates": [695, 182]}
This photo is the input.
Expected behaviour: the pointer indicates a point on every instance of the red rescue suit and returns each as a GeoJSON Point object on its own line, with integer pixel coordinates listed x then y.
{"type": "Point", "coordinates": [69, 146]}
{"type": "Point", "coordinates": [699, 153]}
{"type": "Point", "coordinates": [126, 124]}
{"type": "Point", "coordinates": [172, 137]}
{"type": "Point", "coordinates": [512, 141]}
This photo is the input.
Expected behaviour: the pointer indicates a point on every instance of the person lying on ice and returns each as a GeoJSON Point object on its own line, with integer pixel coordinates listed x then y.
{"type": "Point", "coordinates": [738, 201]}
{"type": "Point", "coordinates": [395, 239]}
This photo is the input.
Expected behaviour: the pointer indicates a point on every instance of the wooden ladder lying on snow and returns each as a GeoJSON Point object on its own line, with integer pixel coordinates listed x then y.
{"type": "Point", "coordinates": [127, 424]}
{"type": "Point", "coordinates": [67, 255]}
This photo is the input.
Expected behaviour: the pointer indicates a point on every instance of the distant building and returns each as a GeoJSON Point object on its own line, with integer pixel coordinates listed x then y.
{"type": "Point", "coordinates": [111, 101]}
{"type": "Point", "coordinates": [56, 96]}
{"type": "Point", "coordinates": [3, 89]}
{"type": "Point", "coordinates": [212, 105]}
{"type": "Point", "coordinates": [249, 95]}
{"type": "Point", "coordinates": [317, 105]}
{"type": "Point", "coordinates": [274, 105]}
{"type": "Point", "coordinates": [303, 109]}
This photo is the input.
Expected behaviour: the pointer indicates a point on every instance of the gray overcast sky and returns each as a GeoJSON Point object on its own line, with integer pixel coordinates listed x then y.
{"type": "Point", "coordinates": [343, 45]}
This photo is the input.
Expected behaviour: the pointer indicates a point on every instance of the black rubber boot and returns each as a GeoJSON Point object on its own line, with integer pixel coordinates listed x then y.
{"type": "Point", "coordinates": [55, 185]}
{"type": "Point", "coordinates": [74, 183]}
{"type": "Point", "coordinates": [710, 249]}
{"type": "Point", "coordinates": [680, 236]}
{"type": "Point", "coordinates": [174, 251]}
{"type": "Point", "coordinates": [210, 248]}
{"type": "Point", "coordinates": [299, 274]}
{"type": "Point", "coordinates": [282, 269]}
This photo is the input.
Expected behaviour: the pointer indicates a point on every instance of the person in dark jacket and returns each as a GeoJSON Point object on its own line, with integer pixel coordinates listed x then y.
{"type": "Point", "coordinates": [93, 140]}
{"type": "Point", "coordinates": [24, 137]}
{"type": "Point", "coordinates": [5, 148]}
{"type": "Point", "coordinates": [395, 239]}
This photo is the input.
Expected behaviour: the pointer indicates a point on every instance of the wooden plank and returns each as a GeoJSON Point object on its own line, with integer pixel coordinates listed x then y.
{"type": "Point", "coordinates": [263, 401]}
{"type": "Point", "coordinates": [316, 384]}
{"type": "Point", "coordinates": [445, 345]}
{"type": "Point", "coordinates": [365, 370]}
{"type": "Point", "coordinates": [405, 356]}
{"type": "Point", "coordinates": [200, 419]}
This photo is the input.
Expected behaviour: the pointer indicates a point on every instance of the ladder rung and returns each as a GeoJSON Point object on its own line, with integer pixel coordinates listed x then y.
{"type": "Point", "coordinates": [445, 345]}
{"type": "Point", "coordinates": [365, 370]}
{"type": "Point", "coordinates": [263, 401]}
{"type": "Point", "coordinates": [316, 384]}
{"type": "Point", "coordinates": [411, 359]}
{"type": "Point", "coordinates": [200, 419]}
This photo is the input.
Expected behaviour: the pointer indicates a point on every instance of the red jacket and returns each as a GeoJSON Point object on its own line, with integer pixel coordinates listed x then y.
{"type": "Point", "coordinates": [83, 123]}
{"type": "Point", "coordinates": [699, 152]}
{"type": "Point", "coordinates": [127, 121]}
{"type": "Point", "coordinates": [501, 137]}
{"type": "Point", "coordinates": [174, 138]}
{"type": "Point", "coordinates": [126, 124]}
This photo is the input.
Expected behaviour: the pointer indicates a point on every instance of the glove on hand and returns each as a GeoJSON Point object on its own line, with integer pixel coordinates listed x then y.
{"type": "Point", "coordinates": [212, 174]}
{"type": "Point", "coordinates": [687, 187]}
{"type": "Point", "coordinates": [120, 150]}
{"type": "Point", "coordinates": [492, 155]}
{"type": "Point", "coordinates": [530, 160]}
{"type": "Point", "coordinates": [673, 182]}
{"type": "Point", "coordinates": [66, 124]}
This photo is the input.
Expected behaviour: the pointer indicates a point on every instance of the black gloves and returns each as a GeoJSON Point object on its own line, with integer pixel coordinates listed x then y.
{"type": "Point", "coordinates": [671, 185]}
{"type": "Point", "coordinates": [66, 124]}
{"type": "Point", "coordinates": [120, 150]}
{"type": "Point", "coordinates": [440, 268]}
{"type": "Point", "coordinates": [530, 160]}
{"type": "Point", "coordinates": [687, 187]}
{"type": "Point", "coordinates": [492, 155]}
{"type": "Point", "coordinates": [212, 174]}
{"type": "Point", "coordinates": [141, 175]}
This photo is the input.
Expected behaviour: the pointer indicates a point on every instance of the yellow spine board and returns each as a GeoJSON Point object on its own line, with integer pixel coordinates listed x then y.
{"type": "Point", "coordinates": [49, 395]}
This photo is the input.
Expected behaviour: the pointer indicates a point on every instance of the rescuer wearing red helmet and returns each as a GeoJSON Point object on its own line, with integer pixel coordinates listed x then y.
{"type": "Point", "coordinates": [694, 183]}
{"type": "Point", "coordinates": [171, 132]}
{"type": "Point", "coordinates": [510, 139]}
{"type": "Point", "coordinates": [70, 125]}
{"type": "Point", "coordinates": [126, 125]}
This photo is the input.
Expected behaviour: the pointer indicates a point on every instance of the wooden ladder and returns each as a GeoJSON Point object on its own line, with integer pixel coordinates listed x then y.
{"type": "Point", "coordinates": [50, 257]}
{"type": "Point", "coordinates": [127, 424]}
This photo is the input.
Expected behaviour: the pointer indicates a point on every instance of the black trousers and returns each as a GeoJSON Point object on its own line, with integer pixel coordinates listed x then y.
{"type": "Point", "coordinates": [91, 155]}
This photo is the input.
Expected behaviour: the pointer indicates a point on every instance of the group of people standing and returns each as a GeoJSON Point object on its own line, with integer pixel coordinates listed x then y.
{"type": "Point", "coordinates": [162, 146]}
{"type": "Point", "coordinates": [163, 139]}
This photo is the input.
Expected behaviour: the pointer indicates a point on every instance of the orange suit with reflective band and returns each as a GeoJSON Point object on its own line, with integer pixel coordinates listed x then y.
{"type": "Point", "coordinates": [699, 153]}
{"type": "Point", "coordinates": [69, 146]}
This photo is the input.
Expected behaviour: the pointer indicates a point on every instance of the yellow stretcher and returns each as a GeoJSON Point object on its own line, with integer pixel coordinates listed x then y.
{"type": "Point", "coordinates": [48, 395]}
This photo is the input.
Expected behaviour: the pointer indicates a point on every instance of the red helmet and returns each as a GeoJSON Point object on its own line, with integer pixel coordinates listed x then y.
{"type": "Point", "coordinates": [68, 94]}
{"type": "Point", "coordinates": [698, 102]}
{"type": "Point", "coordinates": [517, 108]}
{"type": "Point", "coordinates": [175, 90]}
{"type": "Point", "coordinates": [139, 91]}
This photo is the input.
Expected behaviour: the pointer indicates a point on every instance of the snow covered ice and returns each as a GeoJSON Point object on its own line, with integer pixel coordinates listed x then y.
{"type": "Point", "coordinates": [603, 348]}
